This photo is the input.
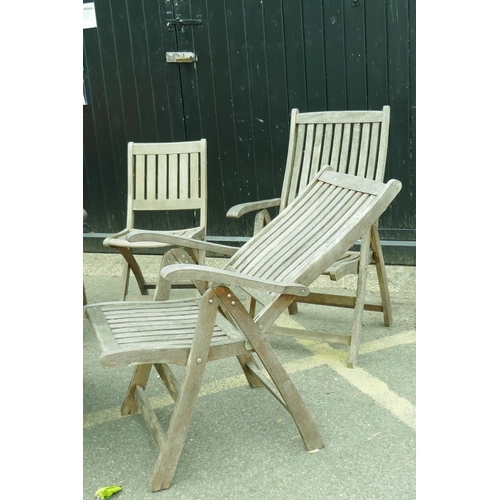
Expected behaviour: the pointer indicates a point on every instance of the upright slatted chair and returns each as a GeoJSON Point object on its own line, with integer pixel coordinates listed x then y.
{"type": "Point", "coordinates": [280, 261]}
{"type": "Point", "coordinates": [352, 142]}
{"type": "Point", "coordinates": [165, 177]}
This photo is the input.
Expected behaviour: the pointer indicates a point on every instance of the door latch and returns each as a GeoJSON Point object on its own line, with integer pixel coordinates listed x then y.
{"type": "Point", "coordinates": [180, 23]}
{"type": "Point", "coordinates": [181, 57]}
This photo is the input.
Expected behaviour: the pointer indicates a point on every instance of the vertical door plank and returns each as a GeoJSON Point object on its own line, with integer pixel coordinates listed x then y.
{"type": "Point", "coordinates": [335, 54]}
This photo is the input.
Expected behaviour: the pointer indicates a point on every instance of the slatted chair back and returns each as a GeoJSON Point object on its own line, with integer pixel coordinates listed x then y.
{"type": "Point", "coordinates": [316, 229]}
{"type": "Point", "coordinates": [352, 142]}
{"type": "Point", "coordinates": [167, 176]}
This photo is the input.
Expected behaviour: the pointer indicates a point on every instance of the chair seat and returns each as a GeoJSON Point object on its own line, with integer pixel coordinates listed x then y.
{"type": "Point", "coordinates": [157, 332]}
{"type": "Point", "coordinates": [121, 239]}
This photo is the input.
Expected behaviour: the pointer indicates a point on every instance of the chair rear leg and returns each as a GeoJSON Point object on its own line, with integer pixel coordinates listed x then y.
{"type": "Point", "coordinates": [359, 306]}
{"type": "Point", "coordinates": [125, 281]}
{"type": "Point", "coordinates": [382, 276]}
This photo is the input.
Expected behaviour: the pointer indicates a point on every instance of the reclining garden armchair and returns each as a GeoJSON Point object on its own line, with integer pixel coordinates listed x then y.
{"type": "Point", "coordinates": [280, 261]}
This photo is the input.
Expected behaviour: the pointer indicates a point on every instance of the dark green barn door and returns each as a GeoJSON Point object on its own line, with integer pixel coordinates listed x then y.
{"type": "Point", "coordinates": [235, 96]}
{"type": "Point", "coordinates": [255, 61]}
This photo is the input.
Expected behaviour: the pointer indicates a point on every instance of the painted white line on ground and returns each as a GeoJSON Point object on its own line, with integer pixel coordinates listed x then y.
{"type": "Point", "coordinates": [359, 378]}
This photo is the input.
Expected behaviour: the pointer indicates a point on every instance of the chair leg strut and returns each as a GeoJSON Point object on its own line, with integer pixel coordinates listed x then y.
{"type": "Point", "coordinates": [301, 415]}
{"type": "Point", "coordinates": [359, 307]}
{"type": "Point", "coordinates": [140, 378]}
{"type": "Point", "coordinates": [382, 275]}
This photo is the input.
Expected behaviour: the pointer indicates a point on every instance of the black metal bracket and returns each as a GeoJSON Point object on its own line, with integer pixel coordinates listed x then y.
{"type": "Point", "coordinates": [180, 23]}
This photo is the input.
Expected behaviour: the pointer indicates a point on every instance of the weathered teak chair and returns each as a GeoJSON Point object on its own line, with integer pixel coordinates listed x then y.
{"type": "Point", "coordinates": [281, 261]}
{"type": "Point", "coordinates": [353, 142]}
{"type": "Point", "coordinates": [167, 177]}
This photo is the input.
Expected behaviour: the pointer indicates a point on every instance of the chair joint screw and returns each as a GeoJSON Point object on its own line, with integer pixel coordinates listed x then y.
{"type": "Point", "coordinates": [229, 295]}
{"type": "Point", "coordinates": [210, 301]}
{"type": "Point", "coordinates": [198, 360]}
{"type": "Point", "coordinates": [233, 303]}
{"type": "Point", "coordinates": [261, 327]}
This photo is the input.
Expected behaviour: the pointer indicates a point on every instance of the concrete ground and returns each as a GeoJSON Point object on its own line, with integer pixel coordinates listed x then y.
{"type": "Point", "coordinates": [241, 442]}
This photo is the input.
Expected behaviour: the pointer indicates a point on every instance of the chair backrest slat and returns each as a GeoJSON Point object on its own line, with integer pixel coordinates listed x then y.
{"type": "Point", "coordinates": [194, 175]}
{"type": "Point", "coordinates": [173, 176]}
{"type": "Point", "coordinates": [354, 149]}
{"type": "Point", "coordinates": [162, 177]}
{"type": "Point", "coordinates": [140, 176]}
{"type": "Point", "coordinates": [363, 150]}
{"type": "Point", "coordinates": [151, 177]}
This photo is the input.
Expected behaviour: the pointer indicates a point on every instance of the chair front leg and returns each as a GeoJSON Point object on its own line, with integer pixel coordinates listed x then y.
{"type": "Point", "coordinates": [186, 400]}
{"type": "Point", "coordinates": [134, 266]}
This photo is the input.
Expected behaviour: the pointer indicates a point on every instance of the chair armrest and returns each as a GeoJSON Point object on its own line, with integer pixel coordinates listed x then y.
{"type": "Point", "coordinates": [116, 235]}
{"type": "Point", "coordinates": [175, 272]}
{"type": "Point", "coordinates": [252, 206]}
{"type": "Point", "coordinates": [180, 241]}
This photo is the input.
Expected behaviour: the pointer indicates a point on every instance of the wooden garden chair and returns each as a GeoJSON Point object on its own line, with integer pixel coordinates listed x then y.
{"type": "Point", "coordinates": [353, 142]}
{"type": "Point", "coordinates": [280, 261]}
{"type": "Point", "coordinates": [164, 177]}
